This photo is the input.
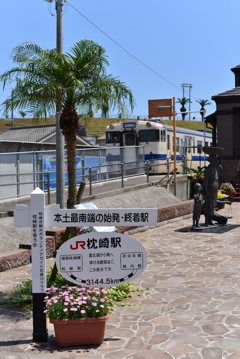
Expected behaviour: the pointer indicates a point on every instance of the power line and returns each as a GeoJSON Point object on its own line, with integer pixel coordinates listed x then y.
{"type": "Point", "coordinates": [129, 53]}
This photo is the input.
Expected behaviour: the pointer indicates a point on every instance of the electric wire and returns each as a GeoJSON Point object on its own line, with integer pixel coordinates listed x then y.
{"type": "Point", "coordinates": [128, 52]}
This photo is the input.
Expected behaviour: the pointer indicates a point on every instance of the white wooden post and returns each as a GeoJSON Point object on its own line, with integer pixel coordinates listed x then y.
{"type": "Point", "coordinates": [38, 265]}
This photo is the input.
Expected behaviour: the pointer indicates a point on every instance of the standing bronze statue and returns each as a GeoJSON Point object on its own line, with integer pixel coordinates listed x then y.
{"type": "Point", "coordinates": [211, 183]}
{"type": "Point", "coordinates": [197, 209]}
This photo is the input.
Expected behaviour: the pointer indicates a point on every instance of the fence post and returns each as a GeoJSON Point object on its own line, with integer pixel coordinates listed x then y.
{"type": "Point", "coordinates": [34, 170]}
{"type": "Point", "coordinates": [47, 174]}
{"type": "Point", "coordinates": [122, 174]}
{"type": "Point", "coordinates": [18, 178]}
{"type": "Point", "coordinates": [147, 172]}
{"type": "Point", "coordinates": [90, 181]}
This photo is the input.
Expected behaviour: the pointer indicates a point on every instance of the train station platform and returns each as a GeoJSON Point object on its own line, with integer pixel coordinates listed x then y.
{"type": "Point", "coordinates": [188, 306]}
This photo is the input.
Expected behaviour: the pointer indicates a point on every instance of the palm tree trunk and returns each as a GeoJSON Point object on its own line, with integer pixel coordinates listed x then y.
{"type": "Point", "coordinates": [72, 181]}
{"type": "Point", "coordinates": [69, 126]}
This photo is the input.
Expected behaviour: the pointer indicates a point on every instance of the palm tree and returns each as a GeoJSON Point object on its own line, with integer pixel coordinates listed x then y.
{"type": "Point", "coordinates": [203, 103]}
{"type": "Point", "coordinates": [74, 80]}
{"type": "Point", "coordinates": [22, 113]}
{"type": "Point", "coordinates": [183, 101]}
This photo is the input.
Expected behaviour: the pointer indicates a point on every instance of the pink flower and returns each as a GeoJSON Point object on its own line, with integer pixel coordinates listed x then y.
{"type": "Point", "coordinates": [73, 309]}
{"type": "Point", "coordinates": [65, 309]}
{"type": "Point", "coordinates": [94, 304]}
{"type": "Point", "coordinates": [83, 311]}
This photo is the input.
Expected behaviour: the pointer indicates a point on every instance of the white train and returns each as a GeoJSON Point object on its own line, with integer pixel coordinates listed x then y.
{"type": "Point", "coordinates": [151, 140]}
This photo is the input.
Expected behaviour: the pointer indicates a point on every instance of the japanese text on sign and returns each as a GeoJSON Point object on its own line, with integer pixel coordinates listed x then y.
{"type": "Point", "coordinates": [100, 259]}
{"type": "Point", "coordinates": [83, 218]}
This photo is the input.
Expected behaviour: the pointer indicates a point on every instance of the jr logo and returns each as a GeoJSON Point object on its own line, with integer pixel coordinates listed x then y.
{"type": "Point", "coordinates": [81, 244]}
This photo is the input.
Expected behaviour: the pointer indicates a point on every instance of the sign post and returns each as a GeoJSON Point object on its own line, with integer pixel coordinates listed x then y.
{"type": "Point", "coordinates": [91, 259]}
{"type": "Point", "coordinates": [39, 267]}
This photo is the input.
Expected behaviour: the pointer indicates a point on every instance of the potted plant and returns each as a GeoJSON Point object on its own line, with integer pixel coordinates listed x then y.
{"type": "Point", "coordinates": [78, 314]}
{"type": "Point", "coordinates": [196, 175]}
{"type": "Point", "coordinates": [228, 189]}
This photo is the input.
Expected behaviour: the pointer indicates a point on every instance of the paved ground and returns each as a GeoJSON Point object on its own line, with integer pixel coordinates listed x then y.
{"type": "Point", "coordinates": [189, 307]}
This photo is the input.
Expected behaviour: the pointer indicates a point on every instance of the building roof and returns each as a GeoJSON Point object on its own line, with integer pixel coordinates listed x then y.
{"type": "Point", "coordinates": [236, 68]}
{"type": "Point", "coordinates": [38, 134]}
{"type": "Point", "coordinates": [234, 93]}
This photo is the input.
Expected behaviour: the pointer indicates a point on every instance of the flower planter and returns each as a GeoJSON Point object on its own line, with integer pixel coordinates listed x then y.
{"type": "Point", "coordinates": [79, 331]}
{"type": "Point", "coordinates": [231, 194]}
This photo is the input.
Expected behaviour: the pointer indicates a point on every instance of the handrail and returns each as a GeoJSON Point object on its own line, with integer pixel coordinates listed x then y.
{"type": "Point", "coordinates": [167, 175]}
{"type": "Point", "coordinates": [87, 172]}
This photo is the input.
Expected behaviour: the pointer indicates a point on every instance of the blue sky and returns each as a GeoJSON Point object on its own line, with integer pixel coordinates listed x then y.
{"type": "Point", "coordinates": [185, 41]}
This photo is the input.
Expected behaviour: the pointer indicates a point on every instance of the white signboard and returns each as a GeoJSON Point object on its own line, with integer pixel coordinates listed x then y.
{"type": "Point", "coordinates": [101, 259]}
{"type": "Point", "coordinates": [100, 217]}
{"type": "Point", "coordinates": [38, 243]}
{"type": "Point", "coordinates": [56, 217]}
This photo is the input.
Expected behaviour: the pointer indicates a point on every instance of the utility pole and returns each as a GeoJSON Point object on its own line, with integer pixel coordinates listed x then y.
{"type": "Point", "coordinates": [60, 176]}
{"type": "Point", "coordinates": [183, 85]}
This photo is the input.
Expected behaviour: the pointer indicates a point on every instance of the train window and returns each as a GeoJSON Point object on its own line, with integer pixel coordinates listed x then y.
{"type": "Point", "coordinates": [163, 136]}
{"type": "Point", "coordinates": [130, 139]}
{"type": "Point", "coordinates": [113, 137]}
{"type": "Point", "coordinates": [189, 145]}
{"type": "Point", "coordinates": [150, 135]}
{"type": "Point", "coordinates": [193, 146]}
{"type": "Point", "coordinates": [177, 144]}
{"type": "Point", "coordinates": [199, 144]}
{"type": "Point", "coordinates": [129, 125]}
{"type": "Point", "coordinates": [206, 144]}
{"type": "Point", "coordinates": [168, 142]}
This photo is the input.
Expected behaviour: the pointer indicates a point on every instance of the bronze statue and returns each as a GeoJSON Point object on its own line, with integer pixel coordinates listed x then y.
{"type": "Point", "coordinates": [211, 189]}
{"type": "Point", "coordinates": [197, 209]}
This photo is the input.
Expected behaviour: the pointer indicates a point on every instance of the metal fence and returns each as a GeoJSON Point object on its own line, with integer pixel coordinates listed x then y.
{"type": "Point", "coordinates": [22, 172]}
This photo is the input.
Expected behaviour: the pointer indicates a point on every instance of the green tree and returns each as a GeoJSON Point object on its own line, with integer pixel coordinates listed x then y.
{"type": "Point", "coordinates": [183, 101]}
{"type": "Point", "coordinates": [22, 113]}
{"type": "Point", "coordinates": [74, 80]}
{"type": "Point", "coordinates": [203, 103]}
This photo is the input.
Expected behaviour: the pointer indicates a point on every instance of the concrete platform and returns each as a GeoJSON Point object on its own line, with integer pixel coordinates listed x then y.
{"type": "Point", "coordinates": [189, 307]}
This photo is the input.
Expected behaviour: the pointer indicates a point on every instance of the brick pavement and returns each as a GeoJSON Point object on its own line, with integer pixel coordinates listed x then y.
{"type": "Point", "coordinates": [189, 307]}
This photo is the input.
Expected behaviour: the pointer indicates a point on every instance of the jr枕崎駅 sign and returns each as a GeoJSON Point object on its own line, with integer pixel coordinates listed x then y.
{"type": "Point", "coordinates": [101, 259]}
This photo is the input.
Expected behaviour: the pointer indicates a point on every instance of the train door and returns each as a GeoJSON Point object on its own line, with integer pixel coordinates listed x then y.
{"type": "Point", "coordinates": [188, 151]}
{"type": "Point", "coordinates": [130, 152]}
{"type": "Point", "coordinates": [168, 153]}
